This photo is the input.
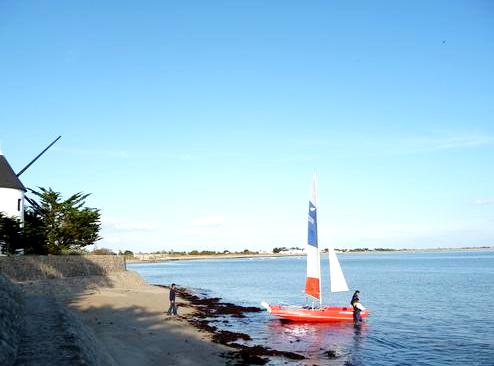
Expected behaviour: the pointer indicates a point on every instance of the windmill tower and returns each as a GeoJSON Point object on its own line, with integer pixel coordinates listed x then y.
{"type": "Point", "coordinates": [12, 191]}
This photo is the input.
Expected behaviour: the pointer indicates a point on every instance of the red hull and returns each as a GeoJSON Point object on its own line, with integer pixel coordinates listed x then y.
{"type": "Point", "coordinates": [324, 314]}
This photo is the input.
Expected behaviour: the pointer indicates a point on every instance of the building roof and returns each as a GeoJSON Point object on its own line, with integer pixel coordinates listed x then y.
{"type": "Point", "coordinates": [8, 179]}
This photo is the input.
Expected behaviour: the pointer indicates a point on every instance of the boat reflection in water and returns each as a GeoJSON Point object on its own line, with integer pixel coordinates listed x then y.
{"type": "Point", "coordinates": [339, 342]}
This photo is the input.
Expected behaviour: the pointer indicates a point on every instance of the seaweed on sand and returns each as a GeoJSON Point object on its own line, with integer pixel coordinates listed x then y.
{"type": "Point", "coordinates": [208, 309]}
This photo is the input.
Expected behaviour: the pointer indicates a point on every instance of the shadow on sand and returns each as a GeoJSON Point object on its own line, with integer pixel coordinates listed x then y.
{"type": "Point", "coordinates": [114, 318]}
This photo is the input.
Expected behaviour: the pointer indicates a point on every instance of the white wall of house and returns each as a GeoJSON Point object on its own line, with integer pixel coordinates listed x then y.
{"type": "Point", "coordinates": [12, 202]}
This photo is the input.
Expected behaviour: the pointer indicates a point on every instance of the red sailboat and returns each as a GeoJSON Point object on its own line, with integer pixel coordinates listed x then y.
{"type": "Point", "coordinates": [313, 281]}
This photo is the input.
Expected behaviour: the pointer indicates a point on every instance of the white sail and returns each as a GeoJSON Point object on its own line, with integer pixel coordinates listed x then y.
{"type": "Point", "coordinates": [338, 282]}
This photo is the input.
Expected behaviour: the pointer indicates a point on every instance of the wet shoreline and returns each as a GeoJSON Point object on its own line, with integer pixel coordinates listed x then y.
{"type": "Point", "coordinates": [208, 310]}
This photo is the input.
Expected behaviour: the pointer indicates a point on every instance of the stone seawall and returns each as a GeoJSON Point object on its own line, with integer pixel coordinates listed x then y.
{"type": "Point", "coordinates": [42, 267]}
{"type": "Point", "coordinates": [11, 320]}
{"type": "Point", "coordinates": [39, 330]}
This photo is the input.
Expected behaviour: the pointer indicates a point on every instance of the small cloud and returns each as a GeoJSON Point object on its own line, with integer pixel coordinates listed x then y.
{"type": "Point", "coordinates": [119, 154]}
{"type": "Point", "coordinates": [311, 142]}
{"type": "Point", "coordinates": [484, 202]}
{"type": "Point", "coordinates": [451, 142]}
{"type": "Point", "coordinates": [208, 221]}
{"type": "Point", "coordinates": [112, 239]}
{"type": "Point", "coordinates": [187, 157]}
{"type": "Point", "coordinates": [125, 225]}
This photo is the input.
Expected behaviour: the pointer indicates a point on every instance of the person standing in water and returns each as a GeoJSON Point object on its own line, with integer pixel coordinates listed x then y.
{"type": "Point", "coordinates": [173, 306]}
{"type": "Point", "coordinates": [357, 307]}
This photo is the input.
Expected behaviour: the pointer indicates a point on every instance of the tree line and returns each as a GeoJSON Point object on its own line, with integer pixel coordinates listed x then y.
{"type": "Point", "coordinates": [204, 252]}
{"type": "Point", "coordinates": [277, 250]}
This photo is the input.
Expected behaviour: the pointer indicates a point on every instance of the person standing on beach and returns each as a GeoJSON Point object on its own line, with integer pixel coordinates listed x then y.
{"type": "Point", "coordinates": [173, 305]}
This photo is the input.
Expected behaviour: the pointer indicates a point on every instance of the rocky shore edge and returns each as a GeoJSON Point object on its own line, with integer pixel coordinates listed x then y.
{"type": "Point", "coordinates": [207, 310]}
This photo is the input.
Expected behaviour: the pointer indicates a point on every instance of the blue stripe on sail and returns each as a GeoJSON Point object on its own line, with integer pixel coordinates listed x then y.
{"type": "Point", "coordinates": [312, 237]}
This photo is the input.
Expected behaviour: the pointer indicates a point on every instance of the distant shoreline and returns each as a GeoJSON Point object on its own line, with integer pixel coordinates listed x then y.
{"type": "Point", "coordinates": [166, 258]}
{"type": "Point", "coordinates": [157, 258]}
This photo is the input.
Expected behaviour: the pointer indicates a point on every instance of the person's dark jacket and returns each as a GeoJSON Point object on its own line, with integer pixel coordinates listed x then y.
{"type": "Point", "coordinates": [172, 294]}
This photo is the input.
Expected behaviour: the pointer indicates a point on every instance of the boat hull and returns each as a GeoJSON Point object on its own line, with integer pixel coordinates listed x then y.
{"type": "Point", "coordinates": [319, 315]}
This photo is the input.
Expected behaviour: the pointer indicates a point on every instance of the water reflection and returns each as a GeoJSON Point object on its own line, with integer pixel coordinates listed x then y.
{"type": "Point", "coordinates": [407, 335]}
{"type": "Point", "coordinates": [321, 343]}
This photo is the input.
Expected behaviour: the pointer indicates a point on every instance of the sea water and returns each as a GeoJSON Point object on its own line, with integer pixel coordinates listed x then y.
{"type": "Point", "coordinates": [426, 308]}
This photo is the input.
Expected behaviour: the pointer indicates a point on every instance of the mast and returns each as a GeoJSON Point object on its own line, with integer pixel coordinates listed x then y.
{"type": "Point", "coordinates": [314, 197]}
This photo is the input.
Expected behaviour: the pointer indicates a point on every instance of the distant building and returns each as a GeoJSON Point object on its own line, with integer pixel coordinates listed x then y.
{"type": "Point", "coordinates": [11, 191]}
{"type": "Point", "coordinates": [150, 257]}
{"type": "Point", "coordinates": [293, 251]}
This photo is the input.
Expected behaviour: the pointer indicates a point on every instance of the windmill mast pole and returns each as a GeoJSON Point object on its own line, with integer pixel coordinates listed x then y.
{"type": "Point", "coordinates": [37, 157]}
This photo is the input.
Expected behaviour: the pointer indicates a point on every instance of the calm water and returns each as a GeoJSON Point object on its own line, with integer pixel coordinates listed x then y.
{"type": "Point", "coordinates": [426, 308]}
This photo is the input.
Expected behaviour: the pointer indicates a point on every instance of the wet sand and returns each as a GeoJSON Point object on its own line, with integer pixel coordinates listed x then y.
{"type": "Point", "coordinates": [208, 310]}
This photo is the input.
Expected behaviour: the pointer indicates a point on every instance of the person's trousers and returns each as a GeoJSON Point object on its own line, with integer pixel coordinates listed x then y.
{"type": "Point", "coordinates": [172, 308]}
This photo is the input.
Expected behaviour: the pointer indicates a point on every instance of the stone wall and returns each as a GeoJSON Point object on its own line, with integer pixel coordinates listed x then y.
{"type": "Point", "coordinates": [42, 267]}
{"type": "Point", "coordinates": [11, 320]}
{"type": "Point", "coordinates": [39, 330]}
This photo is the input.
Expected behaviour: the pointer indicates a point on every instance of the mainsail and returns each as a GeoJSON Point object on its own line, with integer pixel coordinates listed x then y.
{"type": "Point", "coordinates": [313, 281]}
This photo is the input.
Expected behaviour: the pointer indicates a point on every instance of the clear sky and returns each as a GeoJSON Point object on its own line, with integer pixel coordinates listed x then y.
{"type": "Point", "coordinates": [198, 125]}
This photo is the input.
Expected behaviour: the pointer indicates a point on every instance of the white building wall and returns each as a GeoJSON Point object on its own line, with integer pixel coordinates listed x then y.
{"type": "Point", "coordinates": [10, 204]}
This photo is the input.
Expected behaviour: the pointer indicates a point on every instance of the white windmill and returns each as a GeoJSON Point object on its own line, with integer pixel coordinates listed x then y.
{"type": "Point", "coordinates": [12, 191]}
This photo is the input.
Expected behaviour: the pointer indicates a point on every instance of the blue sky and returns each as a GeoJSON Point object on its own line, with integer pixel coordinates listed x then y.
{"type": "Point", "coordinates": [198, 125]}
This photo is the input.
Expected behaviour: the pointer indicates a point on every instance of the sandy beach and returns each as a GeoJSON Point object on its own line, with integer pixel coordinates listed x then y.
{"type": "Point", "coordinates": [91, 311]}
{"type": "Point", "coordinates": [134, 328]}
{"type": "Point", "coordinates": [128, 320]}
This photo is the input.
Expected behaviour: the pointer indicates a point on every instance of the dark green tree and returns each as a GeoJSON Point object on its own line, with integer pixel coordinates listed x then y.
{"type": "Point", "coordinates": [128, 253]}
{"type": "Point", "coordinates": [11, 235]}
{"type": "Point", "coordinates": [280, 249]}
{"type": "Point", "coordinates": [61, 224]}
{"type": "Point", "coordinates": [34, 233]}
{"type": "Point", "coordinates": [103, 251]}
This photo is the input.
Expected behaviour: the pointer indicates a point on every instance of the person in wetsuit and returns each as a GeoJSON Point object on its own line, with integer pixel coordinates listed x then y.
{"type": "Point", "coordinates": [357, 308]}
{"type": "Point", "coordinates": [355, 302]}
